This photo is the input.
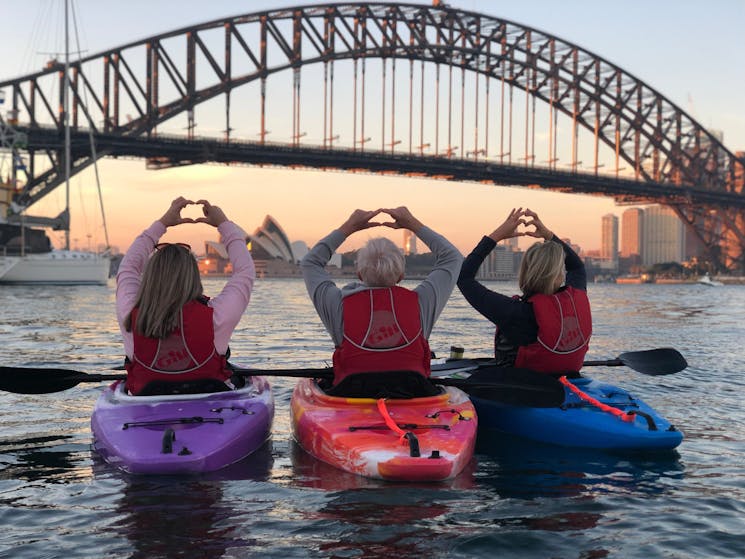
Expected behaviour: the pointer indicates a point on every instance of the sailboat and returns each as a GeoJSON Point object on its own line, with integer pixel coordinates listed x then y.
{"type": "Point", "coordinates": [32, 263]}
{"type": "Point", "coordinates": [706, 280]}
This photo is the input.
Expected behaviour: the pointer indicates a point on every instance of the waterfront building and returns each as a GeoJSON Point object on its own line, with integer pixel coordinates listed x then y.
{"type": "Point", "coordinates": [269, 241]}
{"type": "Point", "coordinates": [632, 232]}
{"type": "Point", "coordinates": [502, 263]}
{"type": "Point", "coordinates": [409, 243]}
{"type": "Point", "coordinates": [272, 252]}
{"type": "Point", "coordinates": [576, 248]}
{"type": "Point", "coordinates": [215, 259]}
{"type": "Point", "coordinates": [663, 236]}
{"type": "Point", "coordinates": [609, 241]}
{"type": "Point", "coordinates": [299, 250]}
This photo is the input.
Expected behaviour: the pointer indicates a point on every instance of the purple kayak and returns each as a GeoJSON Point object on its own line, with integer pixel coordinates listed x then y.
{"type": "Point", "coordinates": [181, 434]}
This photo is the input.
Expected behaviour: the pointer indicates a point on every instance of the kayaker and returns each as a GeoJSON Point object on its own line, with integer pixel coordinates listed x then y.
{"type": "Point", "coordinates": [548, 327]}
{"type": "Point", "coordinates": [175, 338]}
{"type": "Point", "coordinates": [380, 330]}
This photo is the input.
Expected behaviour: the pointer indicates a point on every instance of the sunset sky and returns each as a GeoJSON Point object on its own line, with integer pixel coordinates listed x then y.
{"type": "Point", "coordinates": [690, 51]}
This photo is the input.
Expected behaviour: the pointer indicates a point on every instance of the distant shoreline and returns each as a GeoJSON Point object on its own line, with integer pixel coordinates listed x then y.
{"type": "Point", "coordinates": [727, 280]}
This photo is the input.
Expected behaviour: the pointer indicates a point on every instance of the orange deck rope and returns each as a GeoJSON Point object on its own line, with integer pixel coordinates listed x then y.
{"type": "Point", "coordinates": [597, 403]}
{"type": "Point", "coordinates": [392, 425]}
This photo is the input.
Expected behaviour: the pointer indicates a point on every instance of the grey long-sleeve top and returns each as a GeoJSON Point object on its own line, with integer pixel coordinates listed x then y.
{"type": "Point", "coordinates": [434, 291]}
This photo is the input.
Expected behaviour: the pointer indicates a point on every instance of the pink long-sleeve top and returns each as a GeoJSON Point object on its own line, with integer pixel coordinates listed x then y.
{"type": "Point", "coordinates": [228, 306]}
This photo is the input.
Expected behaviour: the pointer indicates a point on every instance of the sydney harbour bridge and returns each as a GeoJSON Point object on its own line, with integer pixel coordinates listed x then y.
{"type": "Point", "coordinates": [400, 89]}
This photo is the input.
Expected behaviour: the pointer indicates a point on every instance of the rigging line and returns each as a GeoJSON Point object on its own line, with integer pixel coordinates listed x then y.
{"type": "Point", "coordinates": [94, 154]}
{"type": "Point", "coordinates": [25, 61]}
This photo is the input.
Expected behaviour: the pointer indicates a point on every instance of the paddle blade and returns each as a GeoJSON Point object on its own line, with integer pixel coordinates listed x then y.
{"type": "Point", "coordinates": [26, 380]}
{"type": "Point", "coordinates": [513, 387]}
{"type": "Point", "coordinates": [30, 380]}
{"type": "Point", "coordinates": [660, 361]}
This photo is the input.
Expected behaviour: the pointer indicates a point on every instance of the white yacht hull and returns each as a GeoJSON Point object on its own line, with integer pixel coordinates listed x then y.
{"type": "Point", "coordinates": [55, 268]}
{"type": "Point", "coordinates": [706, 280]}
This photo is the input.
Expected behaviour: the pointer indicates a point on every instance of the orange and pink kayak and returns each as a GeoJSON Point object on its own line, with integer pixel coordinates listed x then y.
{"type": "Point", "coordinates": [416, 439]}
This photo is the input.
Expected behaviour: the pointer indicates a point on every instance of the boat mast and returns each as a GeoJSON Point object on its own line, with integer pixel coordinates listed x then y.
{"type": "Point", "coordinates": [66, 107]}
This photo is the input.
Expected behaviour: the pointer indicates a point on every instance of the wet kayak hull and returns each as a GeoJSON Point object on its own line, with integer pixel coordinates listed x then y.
{"type": "Point", "coordinates": [579, 424]}
{"type": "Point", "coordinates": [181, 434]}
{"type": "Point", "coordinates": [351, 434]}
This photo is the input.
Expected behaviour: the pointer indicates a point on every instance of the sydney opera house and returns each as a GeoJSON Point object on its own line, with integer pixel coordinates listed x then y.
{"type": "Point", "coordinates": [270, 242]}
{"type": "Point", "coordinates": [272, 251]}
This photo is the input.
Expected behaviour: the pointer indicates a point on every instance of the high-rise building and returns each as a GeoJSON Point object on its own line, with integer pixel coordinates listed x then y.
{"type": "Point", "coordinates": [609, 239]}
{"type": "Point", "coordinates": [663, 236]}
{"type": "Point", "coordinates": [632, 232]}
{"type": "Point", "coordinates": [409, 243]}
{"type": "Point", "coordinates": [732, 245]}
{"type": "Point", "coordinates": [502, 263]}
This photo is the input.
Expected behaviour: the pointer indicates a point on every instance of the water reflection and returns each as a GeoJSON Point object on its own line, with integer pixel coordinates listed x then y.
{"type": "Point", "coordinates": [391, 521]}
{"type": "Point", "coordinates": [518, 501]}
{"type": "Point", "coordinates": [185, 516]}
{"type": "Point", "coordinates": [374, 518]}
{"type": "Point", "coordinates": [520, 469]}
{"type": "Point", "coordinates": [52, 459]}
{"type": "Point", "coordinates": [175, 518]}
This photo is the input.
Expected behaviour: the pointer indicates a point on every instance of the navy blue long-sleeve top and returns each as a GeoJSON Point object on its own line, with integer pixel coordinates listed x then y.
{"type": "Point", "coordinates": [513, 316]}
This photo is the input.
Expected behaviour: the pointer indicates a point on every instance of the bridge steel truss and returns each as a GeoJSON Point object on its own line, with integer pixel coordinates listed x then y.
{"type": "Point", "coordinates": [463, 63]}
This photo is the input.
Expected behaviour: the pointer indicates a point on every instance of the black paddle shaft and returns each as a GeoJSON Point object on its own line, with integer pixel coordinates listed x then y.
{"type": "Point", "coordinates": [654, 362]}
{"type": "Point", "coordinates": [661, 361]}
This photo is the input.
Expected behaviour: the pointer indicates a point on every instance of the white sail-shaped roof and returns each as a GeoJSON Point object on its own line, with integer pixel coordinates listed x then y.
{"type": "Point", "coordinates": [271, 237]}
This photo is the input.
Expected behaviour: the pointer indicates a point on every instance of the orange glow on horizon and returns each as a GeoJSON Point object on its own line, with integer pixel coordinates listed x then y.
{"type": "Point", "coordinates": [308, 204]}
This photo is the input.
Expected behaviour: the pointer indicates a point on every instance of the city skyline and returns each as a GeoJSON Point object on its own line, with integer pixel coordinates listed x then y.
{"type": "Point", "coordinates": [311, 203]}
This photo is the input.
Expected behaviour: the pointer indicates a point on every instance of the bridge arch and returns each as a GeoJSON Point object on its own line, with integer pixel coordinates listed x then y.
{"type": "Point", "coordinates": [171, 75]}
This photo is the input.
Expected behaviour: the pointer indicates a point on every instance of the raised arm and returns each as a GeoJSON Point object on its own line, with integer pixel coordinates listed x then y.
{"type": "Point", "coordinates": [436, 288]}
{"type": "Point", "coordinates": [232, 301]}
{"type": "Point", "coordinates": [129, 276]}
{"type": "Point", "coordinates": [323, 292]}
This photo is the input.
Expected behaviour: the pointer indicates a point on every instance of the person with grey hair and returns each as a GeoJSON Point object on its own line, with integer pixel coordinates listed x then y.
{"type": "Point", "coordinates": [548, 327]}
{"type": "Point", "coordinates": [380, 330]}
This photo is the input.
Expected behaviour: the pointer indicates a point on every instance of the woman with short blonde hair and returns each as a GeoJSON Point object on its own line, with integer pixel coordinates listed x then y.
{"type": "Point", "coordinates": [542, 269]}
{"type": "Point", "coordinates": [548, 327]}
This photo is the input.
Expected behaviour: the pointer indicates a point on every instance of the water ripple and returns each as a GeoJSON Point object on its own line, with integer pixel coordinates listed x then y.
{"type": "Point", "coordinates": [515, 499]}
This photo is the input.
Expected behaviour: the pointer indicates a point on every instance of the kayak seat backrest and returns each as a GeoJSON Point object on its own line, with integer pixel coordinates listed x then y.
{"type": "Point", "coordinates": [388, 384]}
{"type": "Point", "coordinates": [202, 386]}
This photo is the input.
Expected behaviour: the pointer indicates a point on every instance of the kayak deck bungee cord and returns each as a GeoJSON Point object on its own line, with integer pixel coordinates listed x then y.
{"type": "Point", "coordinates": [410, 439]}
{"type": "Point", "coordinates": [181, 434]}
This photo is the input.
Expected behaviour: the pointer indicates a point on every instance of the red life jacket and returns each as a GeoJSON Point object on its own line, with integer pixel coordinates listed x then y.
{"type": "Point", "coordinates": [564, 330]}
{"type": "Point", "coordinates": [187, 354]}
{"type": "Point", "coordinates": [382, 332]}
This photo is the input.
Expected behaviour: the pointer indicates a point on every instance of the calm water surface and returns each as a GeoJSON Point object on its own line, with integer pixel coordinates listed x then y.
{"type": "Point", "coordinates": [515, 500]}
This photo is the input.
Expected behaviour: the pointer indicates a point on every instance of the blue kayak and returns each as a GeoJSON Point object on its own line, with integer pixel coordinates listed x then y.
{"type": "Point", "coordinates": [581, 424]}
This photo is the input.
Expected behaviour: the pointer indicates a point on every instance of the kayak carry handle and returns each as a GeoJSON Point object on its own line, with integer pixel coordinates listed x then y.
{"type": "Point", "coordinates": [414, 451]}
{"type": "Point", "coordinates": [650, 420]}
{"type": "Point", "coordinates": [169, 435]}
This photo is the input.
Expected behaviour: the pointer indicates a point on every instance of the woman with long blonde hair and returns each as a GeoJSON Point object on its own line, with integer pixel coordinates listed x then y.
{"type": "Point", "coordinates": [175, 338]}
{"type": "Point", "coordinates": [548, 327]}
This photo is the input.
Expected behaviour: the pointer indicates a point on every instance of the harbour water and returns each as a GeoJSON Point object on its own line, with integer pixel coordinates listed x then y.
{"type": "Point", "coordinates": [516, 499]}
